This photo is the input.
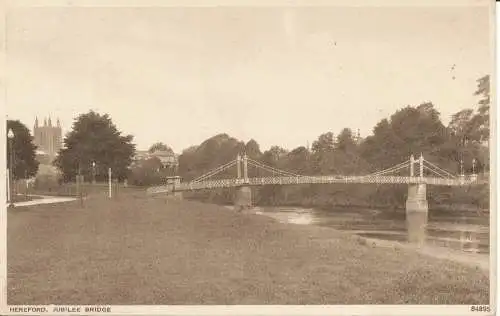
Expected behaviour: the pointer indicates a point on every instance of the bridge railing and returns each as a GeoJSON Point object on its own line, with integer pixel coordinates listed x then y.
{"type": "Point", "coordinates": [328, 179]}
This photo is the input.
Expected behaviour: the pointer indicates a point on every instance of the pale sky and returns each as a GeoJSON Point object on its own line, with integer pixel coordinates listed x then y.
{"type": "Point", "coordinates": [280, 75]}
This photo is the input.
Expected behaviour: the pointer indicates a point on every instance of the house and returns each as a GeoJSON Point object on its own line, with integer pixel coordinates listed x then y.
{"type": "Point", "coordinates": [167, 158]}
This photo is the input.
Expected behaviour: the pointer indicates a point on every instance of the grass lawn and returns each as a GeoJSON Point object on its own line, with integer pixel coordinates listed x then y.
{"type": "Point", "coordinates": [138, 250]}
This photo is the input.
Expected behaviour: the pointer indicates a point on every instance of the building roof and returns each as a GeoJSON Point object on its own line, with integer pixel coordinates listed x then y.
{"type": "Point", "coordinates": [160, 154]}
{"type": "Point", "coordinates": [165, 157]}
{"type": "Point", "coordinates": [163, 153]}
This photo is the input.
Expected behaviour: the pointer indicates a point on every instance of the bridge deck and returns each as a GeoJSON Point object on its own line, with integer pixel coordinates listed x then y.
{"type": "Point", "coordinates": [227, 183]}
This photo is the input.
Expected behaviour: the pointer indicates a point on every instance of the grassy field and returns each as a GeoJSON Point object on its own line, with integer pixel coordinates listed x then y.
{"type": "Point", "coordinates": [138, 250]}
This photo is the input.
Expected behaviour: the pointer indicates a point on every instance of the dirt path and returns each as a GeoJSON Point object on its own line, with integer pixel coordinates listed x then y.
{"type": "Point", "coordinates": [44, 200]}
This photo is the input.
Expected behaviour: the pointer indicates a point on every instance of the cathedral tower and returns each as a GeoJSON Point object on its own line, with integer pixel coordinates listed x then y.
{"type": "Point", "coordinates": [48, 138]}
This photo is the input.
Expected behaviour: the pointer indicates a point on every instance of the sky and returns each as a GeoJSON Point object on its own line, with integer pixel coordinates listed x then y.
{"type": "Point", "coordinates": [280, 75]}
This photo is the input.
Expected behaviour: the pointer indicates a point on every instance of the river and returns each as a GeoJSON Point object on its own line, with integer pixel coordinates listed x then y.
{"type": "Point", "coordinates": [467, 231]}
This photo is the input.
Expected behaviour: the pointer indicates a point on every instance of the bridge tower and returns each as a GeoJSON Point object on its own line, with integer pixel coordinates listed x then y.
{"type": "Point", "coordinates": [417, 208]}
{"type": "Point", "coordinates": [243, 196]}
{"type": "Point", "coordinates": [175, 182]}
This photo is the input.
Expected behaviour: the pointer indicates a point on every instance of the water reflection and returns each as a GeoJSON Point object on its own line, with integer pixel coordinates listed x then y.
{"type": "Point", "coordinates": [467, 231]}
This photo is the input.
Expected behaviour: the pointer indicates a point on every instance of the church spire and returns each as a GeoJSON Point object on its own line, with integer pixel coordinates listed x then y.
{"type": "Point", "coordinates": [58, 123]}
{"type": "Point", "coordinates": [44, 121]}
{"type": "Point", "coordinates": [36, 121]}
{"type": "Point", "coordinates": [50, 122]}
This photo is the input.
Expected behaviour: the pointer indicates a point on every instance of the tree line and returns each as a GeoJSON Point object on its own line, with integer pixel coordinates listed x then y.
{"type": "Point", "coordinates": [95, 144]}
{"type": "Point", "coordinates": [461, 146]}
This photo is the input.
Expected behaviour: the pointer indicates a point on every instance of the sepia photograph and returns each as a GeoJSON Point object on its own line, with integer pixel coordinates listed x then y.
{"type": "Point", "coordinates": [187, 154]}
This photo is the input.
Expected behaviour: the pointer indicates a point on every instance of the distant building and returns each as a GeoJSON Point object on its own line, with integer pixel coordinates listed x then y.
{"type": "Point", "coordinates": [48, 138]}
{"type": "Point", "coordinates": [167, 158]}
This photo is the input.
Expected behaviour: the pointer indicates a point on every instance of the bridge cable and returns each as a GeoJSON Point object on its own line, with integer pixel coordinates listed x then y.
{"type": "Point", "coordinates": [391, 169]}
{"type": "Point", "coordinates": [261, 165]}
{"type": "Point", "coordinates": [272, 170]}
{"type": "Point", "coordinates": [398, 166]}
{"type": "Point", "coordinates": [269, 168]}
{"type": "Point", "coordinates": [275, 171]}
{"type": "Point", "coordinates": [211, 173]}
{"type": "Point", "coordinates": [449, 174]}
{"type": "Point", "coordinates": [440, 169]}
{"type": "Point", "coordinates": [214, 171]}
{"type": "Point", "coordinates": [435, 172]}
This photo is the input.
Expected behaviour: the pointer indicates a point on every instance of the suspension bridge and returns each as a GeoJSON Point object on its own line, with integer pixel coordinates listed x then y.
{"type": "Point", "coordinates": [429, 173]}
{"type": "Point", "coordinates": [403, 173]}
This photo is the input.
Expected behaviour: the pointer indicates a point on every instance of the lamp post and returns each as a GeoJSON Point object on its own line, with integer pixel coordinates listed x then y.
{"type": "Point", "coordinates": [93, 172]}
{"type": "Point", "coordinates": [10, 135]}
{"type": "Point", "coordinates": [462, 143]}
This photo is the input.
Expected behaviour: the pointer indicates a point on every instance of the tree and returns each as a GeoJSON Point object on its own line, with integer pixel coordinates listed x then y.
{"type": "Point", "coordinates": [460, 123]}
{"type": "Point", "coordinates": [272, 156]}
{"type": "Point", "coordinates": [25, 163]}
{"type": "Point", "coordinates": [483, 89]}
{"type": "Point", "coordinates": [464, 143]}
{"type": "Point", "coordinates": [212, 153]}
{"type": "Point", "coordinates": [252, 149]}
{"type": "Point", "coordinates": [468, 130]}
{"type": "Point", "coordinates": [94, 138]}
{"type": "Point", "coordinates": [148, 172]}
{"type": "Point", "coordinates": [345, 141]}
{"type": "Point", "coordinates": [482, 119]}
{"type": "Point", "coordinates": [297, 161]}
{"type": "Point", "coordinates": [411, 130]}
{"type": "Point", "coordinates": [159, 146]}
{"type": "Point", "coordinates": [324, 143]}
{"type": "Point", "coordinates": [322, 153]}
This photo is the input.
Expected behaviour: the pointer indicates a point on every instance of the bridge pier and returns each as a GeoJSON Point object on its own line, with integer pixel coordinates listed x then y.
{"type": "Point", "coordinates": [417, 208]}
{"type": "Point", "coordinates": [243, 194]}
{"type": "Point", "coordinates": [243, 197]}
{"type": "Point", "coordinates": [178, 195]}
{"type": "Point", "coordinates": [176, 182]}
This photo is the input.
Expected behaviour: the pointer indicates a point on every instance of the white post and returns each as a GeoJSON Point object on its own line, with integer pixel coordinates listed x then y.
{"type": "Point", "coordinates": [238, 165]}
{"type": "Point", "coordinates": [109, 181]}
{"type": "Point", "coordinates": [412, 166]}
{"type": "Point", "coordinates": [8, 186]}
{"type": "Point", "coordinates": [421, 165]}
{"type": "Point", "coordinates": [245, 168]}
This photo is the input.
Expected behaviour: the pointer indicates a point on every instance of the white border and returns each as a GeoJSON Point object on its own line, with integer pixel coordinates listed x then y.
{"type": "Point", "coordinates": [261, 310]}
{"type": "Point", "coordinates": [3, 159]}
{"type": "Point", "coordinates": [204, 3]}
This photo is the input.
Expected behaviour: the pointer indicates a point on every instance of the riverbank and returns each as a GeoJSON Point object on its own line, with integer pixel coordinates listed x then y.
{"type": "Point", "coordinates": [395, 209]}
{"type": "Point", "coordinates": [143, 250]}
{"type": "Point", "coordinates": [473, 199]}
{"type": "Point", "coordinates": [443, 239]}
